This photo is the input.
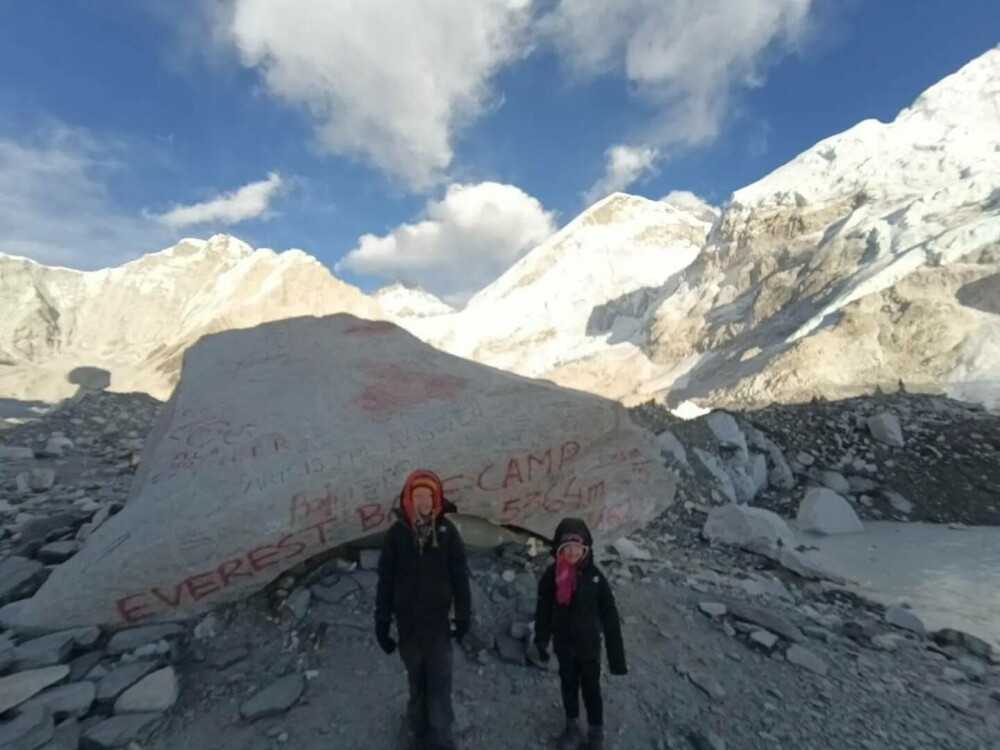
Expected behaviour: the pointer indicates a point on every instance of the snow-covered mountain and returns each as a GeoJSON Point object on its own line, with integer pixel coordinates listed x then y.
{"type": "Point", "coordinates": [401, 301]}
{"type": "Point", "coordinates": [870, 258]}
{"type": "Point", "coordinates": [136, 320]}
{"type": "Point", "coordinates": [873, 257]}
{"type": "Point", "coordinates": [575, 302]}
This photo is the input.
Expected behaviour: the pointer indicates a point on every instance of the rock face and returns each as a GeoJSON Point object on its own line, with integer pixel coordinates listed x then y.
{"type": "Point", "coordinates": [823, 511]}
{"type": "Point", "coordinates": [754, 529]}
{"type": "Point", "coordinates": [251, 468]}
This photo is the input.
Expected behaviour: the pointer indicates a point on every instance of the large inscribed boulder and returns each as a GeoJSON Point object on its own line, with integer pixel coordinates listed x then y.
{"type": "Point", "coordinates": [295, 436]}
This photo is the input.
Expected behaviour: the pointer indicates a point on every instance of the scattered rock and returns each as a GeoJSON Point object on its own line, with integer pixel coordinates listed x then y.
{"type": "Point", "coordinates": [15, 689]}
{"type": "Point", "coordinates": [905, 619]}
{"type": "Point", "coordinates": [29, 730]}
{"type": "Point", "coordinates": [229, 656]}
{"type": "Point", "coordinates": [154, 692]}
{"type": "Point", "coordinates": [713, 609]}
{"type": "Point", "coordinates": [20, 577]}
{"type": "Point", "coordinates": [15, 453]}
{"type": "Point", "coordinates": [42, 480]}
{"type": "Point", "coordinates": [57, 445]}
{"type": "Point", "coordinates": [823, 511]}
{"type": "Point", "coordinates": [80, 668]}
{"type": "Point", "coordinates": [767, 620]}
{"type": "Point", "coordinates": [58, 552]}
{"type": "Point", "coordinates": [629, 550]}
{"type": "Point", "coordinates": [764, 638]}
{"type": "Point", "coordinates": [50, 649]}
{"type": "Point", "coordinates": [806, 459]}
{"type": "Point", "coordinates": [754, 529]}
{"type": "Point", "coordinates": [706, 741]}
{"type": "Point", "coordinates": [949, 637]}
{"type": "Point", "coordinates": [207, 628]}
{"type": "Point", "coordinates": [886, 429]}
{"type": "Point", "coordinates": [835, 481]}
{"type": "Point", "coordinates": [899, 503]}
{"type": "Point", "coordinates": [368, 559]}
{"type": "Point", "coordinates": [65, 737]}
{"type": "Point", "coordinates": [511, 651]}
{"type": "Point", "coordinates": [803, 657]}
{"type": "Point", "coordinates": [121, 679]}
{"type": "Point", "coordinates": [479, 637]}
{"type": "Point", "coordinates": [298, 602]}
{"type": "Point", "coordinates": [950, 697]}
{"type": "Point", "coordinates": [336, 592]}
{"type": "Point", "coordinates": [118, 731]}
{"type": "Point", "coordinates": [71, 700]}
{"type": "Point", "coordinates": [950, 674]}
{"type": "Point", "coordinates": [275, 699]}
{"type": "Point", "coordinates": [131, 639]}
{"type": "Point", "coordinates": [707, 684]}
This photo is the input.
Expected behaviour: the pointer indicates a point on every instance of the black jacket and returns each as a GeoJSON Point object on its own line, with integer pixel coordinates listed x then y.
{"type": "Point", "coordinates": [417, 586]}
{"type": "Point", "coordinates": [576, 628]}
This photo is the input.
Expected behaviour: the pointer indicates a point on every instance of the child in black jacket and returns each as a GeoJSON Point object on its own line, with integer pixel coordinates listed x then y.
{"type": "Point", "coordinates": [575, 606]}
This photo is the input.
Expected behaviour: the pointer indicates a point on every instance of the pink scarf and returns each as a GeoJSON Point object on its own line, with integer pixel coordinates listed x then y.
{"type": "Point", "coordinates": [566, 573]}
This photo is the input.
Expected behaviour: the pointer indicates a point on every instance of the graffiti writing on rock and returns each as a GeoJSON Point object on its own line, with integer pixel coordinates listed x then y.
{"type": "Point", "coordinates": [392, 389]}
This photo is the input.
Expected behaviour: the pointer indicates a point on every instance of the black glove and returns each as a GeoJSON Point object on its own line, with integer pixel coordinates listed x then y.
{"type": "Point", "coordinates": [461, 630]}
{"type": "Point", "coordinates": [385, 642]}
{"type": "Point", "coordinates": [543, 652]}
{"type": "Point", "coordinates": [619, 670]}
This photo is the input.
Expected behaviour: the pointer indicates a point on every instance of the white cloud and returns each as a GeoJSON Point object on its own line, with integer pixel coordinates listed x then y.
{"type": "Point", "coordinates": [693, 204]}
{"type": "Point", "coordinates": [248, 202]}
{"type": "Point", "coordinates": [623, 165]}
{"type": "Point", "coordinates": [55, 206]}
{"type": "Point", "coordinates": [464, 241]}
{"type": "Point", "coordinates": [685, 57]}
{"type": "Point", "coordinates": [388, 81]}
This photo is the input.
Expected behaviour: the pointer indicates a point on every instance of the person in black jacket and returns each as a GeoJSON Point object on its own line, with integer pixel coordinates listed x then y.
{"type": "Point", "coordinates": [575, 606]}
{"type": "Point", "coordinates": [421, 573]}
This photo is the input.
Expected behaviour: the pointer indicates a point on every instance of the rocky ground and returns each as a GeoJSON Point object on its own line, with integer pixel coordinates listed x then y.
{"type": "Point", "coordinates": [727, 648]}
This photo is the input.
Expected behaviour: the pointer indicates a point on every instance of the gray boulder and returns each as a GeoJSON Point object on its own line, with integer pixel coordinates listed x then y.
{"type": "Point", "coordinates": [886, 429]}
{"type": "Point", "coordinates": [803, 657]}
{"type": "Point", "coordinates": [70, 700]}
{"type": "Point", "coordinates": [753, 529]}
{"type": "Point", "coordinates": [823, 511]}
{"type": "Point", "coordinates": [118, 731]}
{"type": "Point", "coordinates": [155, 692]}
{"type": "Point", "coordinates": [16, 688]}
{"type": "Point", "coordinates": [121, 679]}
{"type": "Point", "coordinates": [20, 577]}
{"type": "Point", "coordinates": [905, 619]}
{"type": "Point", "coordinates": [133, 638]}
{"type": "Point", "coordinates": [29, 730]}
{"type": "Point", "coordinates": [275, 699]}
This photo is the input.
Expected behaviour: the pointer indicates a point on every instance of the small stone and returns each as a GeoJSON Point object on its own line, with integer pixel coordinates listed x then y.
{"type": "Point", "coordinates": [16, 688]}
{"type": "Point", "coordinates": [885, 428]}
{"type": "Point", "coordinates": [509, 576]}
{"type": "Point", "coordinates": [228, 657]}
{"type": "Point", "coordinates": [521, 631]}
{"type": "Point", "coordinates": [903, 618]}
{"type": "Point", "coordinates": [368, 559]}
{"type": "Point", "coordinates": [479, 637]}
{"type": "Point", "coordinates": [65, 737]}
{"type": "Point", "coordinates": [886, 641]}
{"type": "Point", "coordinates": [835, 481]}
{"type": "Point", "coordinates": [764, 638]}
{"type": "Point", "coordinates": [713, 609]}
{"type": "Point", "coordinates": [707, 684]}
{"type": "Point", "coordinates": [42, 480]}
{"type": "Point", "coordinates": [121, 679]}
{"type": "Point", "coordinates": [950, 674]}
{"type": "Point", "coordinates": [806, 459]}
{"type": "Point", "coordinates": [973, 668]}
{"type": "Point", "coordinates": [15, 453]}
{"type": "Point", "coordinates": [58, 552]}
{"type": "Point", "coordinates": [45, 651]}
{"type": "Point", "coordinates": [80, 668]}
{"type": "Point", "coordinates": [30, 729]}
{"type": "Point", "coordinates": [511, 651]}
{"type": "Point", "coordinates": [767, 620]}
{"type": "Point", "coordinates": [131, 639]}
{"type": "Point", "coordinates": [275, 699]}
{"type": "Point", "coordinates": [20, 578]}
{"type": "Point", "coordinates": [207, 627]}
{"type": "Point", "coordinates": [118, 731]}
{"type": "Point", "coordinates": [706, 741]}
{"type": "Point", "coordinates": [71, 700]}
{"type": "Point", "coordinates": [336, 592]}
{"type": "Point", "coordinates": [823, 511]}
{"type": "Point", "coordinates": [950, 697]}
{"type": "Point", "coordinates": [154, 692]}
{"type": "Point", "coordinates": [629, 550]}
{"type": "Point", "coordinates": [803, 657]}
{"type": "Point", "coordinates": [899, 503]}
{"type": "Point", "coordinates": [298, 602]}
{"type": "Point", "coordinates": [57, 446]}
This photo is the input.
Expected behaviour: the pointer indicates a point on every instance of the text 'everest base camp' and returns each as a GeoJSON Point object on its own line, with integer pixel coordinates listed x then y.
{"type": "Point", "coordinates": [285, 440]}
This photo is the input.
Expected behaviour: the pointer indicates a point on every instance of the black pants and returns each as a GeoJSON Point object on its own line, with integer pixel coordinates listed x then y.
{"type": "Point", "coordinates": [427, 658]}
{"type": "Point", "coordinates": [582, 675]}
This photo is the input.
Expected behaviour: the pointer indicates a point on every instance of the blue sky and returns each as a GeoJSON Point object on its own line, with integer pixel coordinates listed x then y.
{"type": "Point", "coordinates": [455, 135]}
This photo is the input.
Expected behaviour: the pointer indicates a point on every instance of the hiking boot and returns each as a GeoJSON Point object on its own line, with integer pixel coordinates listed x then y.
{"type": "Point", "coordinates": [595, 738]}
{"type": "Point", "coordinates": [571, 737]}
